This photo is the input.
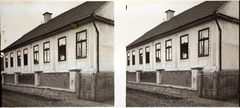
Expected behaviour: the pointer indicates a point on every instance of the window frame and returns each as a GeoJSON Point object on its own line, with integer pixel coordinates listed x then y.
{"type": "Point", "coordinates": [37, 53]}
{"type": "Point", "coordinates": [47, 50]}
{"type": "Point", "coordinates": [203, 39]}
{"type": "Point", "coordinates": [80, 42]}
{"type": "Point", "coordinates": [19, 58]}
{"type": "Point", "coordinates": [133, 57]}
{"type": "Point", "coordinates": [65, 58]}
{"type": "Point", "coordinates": [158, 51]}
{"type": "Point", "coordinates": [140, 56]}
{"type": "Point", "coordinates": [11, 60]}
{"type": "Point", "coordinates": [181, 56]}
{"type": "Point", "coordinates": [128, 58]}
{"type": "Point", "coordinates": [25, 61]}
{"type": "Point", "coordinates": [6, 61]}
{"type": "Point", "coordinates": [166, 51]}
{"type": "Point", "coordinates": [147, 59]}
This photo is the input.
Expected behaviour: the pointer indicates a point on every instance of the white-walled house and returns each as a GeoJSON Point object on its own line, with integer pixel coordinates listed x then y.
{"type": "Point", "coordinates": [78, 40]}
{"type": "Point", "coordinates": [205, 36]}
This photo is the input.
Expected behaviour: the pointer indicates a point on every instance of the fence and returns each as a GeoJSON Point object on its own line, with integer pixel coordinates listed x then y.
{"type": "Point", "coordinates": [26, 78]}
{"type": "Point", "coordinates": [96, 86]}
{"type": "Point", "coordinates": [148, 77]}
{"type": "Point", "coordinates": [9, 78]}
{"type": "Point", "coordinates": [219, 85]}
{"type": "Point", "coordinates": [179, 78]}
{"type": "Point", "coordinates": [59, 80]}
{"type": "Point", "coordinates": [131, 76]}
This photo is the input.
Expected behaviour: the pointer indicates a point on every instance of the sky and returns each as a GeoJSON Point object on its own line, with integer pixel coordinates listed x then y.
{"type": "Point", "coordinates": [132, 19]}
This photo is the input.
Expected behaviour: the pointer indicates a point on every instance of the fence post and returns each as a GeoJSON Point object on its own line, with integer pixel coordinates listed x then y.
{"type": "Point", "coordinates": [74, 80]}
{"type": "Point", "coordinates": [138, 75]}
{"type": "Point", "coordinates": [215, 85]}
{"type": "Point", "coordinates": [37, 77]}
{"type": "Point", "coordinates": [93, 86]}
{"type": "Point", "coordinates": [159, 76]}
{"type": "Point", "coordinates": [16, 74]}
{"type": "Point", "coordinates": [197, 78]}
{"type": "Point", "coordinates": [126, 76]}
{"type": "Point", "coordinates": [4, 78]}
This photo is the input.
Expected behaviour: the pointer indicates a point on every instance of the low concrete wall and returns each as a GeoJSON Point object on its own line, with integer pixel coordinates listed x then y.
{"type": "Point", "coordinates": [46, 92]}
{"type": "Point", "coordinates": [166, 90]}
{"type": "Point", "coordinates": [105, 86]}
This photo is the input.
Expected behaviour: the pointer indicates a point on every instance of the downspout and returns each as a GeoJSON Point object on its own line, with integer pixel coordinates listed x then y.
{"type": "Point", "coordinates": [220, 41]}
{"type": "Point", "coordinates": [94, 16]}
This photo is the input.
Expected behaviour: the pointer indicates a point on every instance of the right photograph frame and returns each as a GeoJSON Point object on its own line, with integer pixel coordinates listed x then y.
{"type": "Point", "coordinates": [189, 58]}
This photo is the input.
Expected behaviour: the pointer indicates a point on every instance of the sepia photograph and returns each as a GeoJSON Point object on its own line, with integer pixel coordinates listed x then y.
{"type": "Point", "coordinates": [56, 54]}
{"type": "Point", "coordinates": [187, 56]}
{"type": "Point", "coordinates": [119, 53]}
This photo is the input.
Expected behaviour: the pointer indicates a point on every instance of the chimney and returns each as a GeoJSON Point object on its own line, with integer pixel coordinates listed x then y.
{"type": "Point", "coordinates": [169, 14]}
{"type": "Point", "coordinates": [47, 16]}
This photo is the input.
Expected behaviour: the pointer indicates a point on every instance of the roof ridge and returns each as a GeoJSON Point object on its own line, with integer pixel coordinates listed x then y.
{"type": "Point", "coordinates": [175, 22]}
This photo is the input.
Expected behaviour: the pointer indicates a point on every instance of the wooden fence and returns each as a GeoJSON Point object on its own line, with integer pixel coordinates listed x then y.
{"type": "Point", "coordinates": [219, 85]}
{"type": "Point", "coordinates": [26, 78]}
{"type": "Point", "coordinates": [9, 78]}
{"type": "Point", "coordinates": [148, 77]}
{"type": "Point", "coordinates": [59, 80]}
{"type": "Point", "coordinates": [179, 78]}
{"type": "Point", "coordinates": [131, 76]}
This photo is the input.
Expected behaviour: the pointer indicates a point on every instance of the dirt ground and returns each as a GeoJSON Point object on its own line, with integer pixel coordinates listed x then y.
{"type": "Point", "coordinates": [145, 99]}
{"type": "Point", "coordinates": [15, 99]}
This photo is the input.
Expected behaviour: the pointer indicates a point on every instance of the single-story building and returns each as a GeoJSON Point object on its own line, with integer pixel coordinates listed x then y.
{"type": "Point", "coordinates": [69, 56]}
{"type": "Point", "coordinates": [171, 57]}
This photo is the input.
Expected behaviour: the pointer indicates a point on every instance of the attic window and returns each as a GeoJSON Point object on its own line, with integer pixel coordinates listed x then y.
{"type": "Point", "coordinates": [158, 52]}
{"type": "Point", "coordinates": [62, 49]}
{"type": "Point", "coordinates": [81, 44]}
{"type": "Point", "coordinates": [35, 54]}
{"type": "Point", "coordinates": [203, 42]}
{"type": "Point", "coordinates": [147, 49]}
{"type": "Point", "coordinates": [11, 59]}
{"type": "Point", "coordinates": [25, 57]}
{"type": "Point", "coordinates": [184, 47]}
{"type": "Point", "coordinates": [140, 56]}
{"type": "Point", "coordinates": [6, 60]}
{"type": "Point", "coordinates": [19, 58]}
{"type": "Point", "coordinates": [128, 58]}
{"type": "Point", "coordinates": [46, 52]}
{"type": "Point", "coordinates": [133, 57]}
{"type": "Point", "coordinates": [169, 50]}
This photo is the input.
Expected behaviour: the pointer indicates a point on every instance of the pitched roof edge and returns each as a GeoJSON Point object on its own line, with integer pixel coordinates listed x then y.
{"type": "Point", "coordinates": [184, 27]}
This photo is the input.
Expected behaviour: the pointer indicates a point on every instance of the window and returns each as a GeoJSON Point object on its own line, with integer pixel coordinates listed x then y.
{"type": "Point", "coordinates": [128, 58]}
{"type": "Point", "coordinates": [133, 57]}
{"type": "Point", "coordinates": [36, 54]}
{"type": "Point", "coordinates": [184, 47]}
{"type": "Point", "coordinates": [19, 58]}
{"type": "Point", "coordinates": [6, 60]}
{"type": "Point", "coordinates": [147, 49]}
{"type": "Point", "coordinates": [203, 42]}
{"type": "Point", "coordinates": [62, 49]}
{"type": "Point", "coordinates": [158, 52]}
{"type": "Point", "coordinates": [81, 44]}
{"type": "Point", "coordinates": [169, 50]}
{"type": "Point", "coordinates": [11, 59]}
{"type": "Point", "coordinates": [46, 52]}
{"type": "Point", "coordinates": [25, 57]}
{"type": "Point", "coordinates": [140, 56]}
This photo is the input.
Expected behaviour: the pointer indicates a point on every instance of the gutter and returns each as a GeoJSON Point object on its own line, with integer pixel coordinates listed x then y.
{"type": "Point", "coordinates": [93, 17]}
{"type": "Point", "coordinates": [220, 41]}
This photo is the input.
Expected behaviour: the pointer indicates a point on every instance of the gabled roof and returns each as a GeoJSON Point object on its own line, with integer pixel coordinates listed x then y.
{"type": "Point", "coordinates": [75, 14]}
{"type": "Point", "coordinates": [193, 14]}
